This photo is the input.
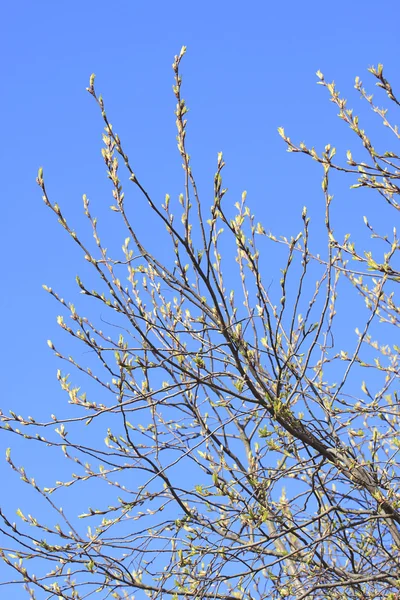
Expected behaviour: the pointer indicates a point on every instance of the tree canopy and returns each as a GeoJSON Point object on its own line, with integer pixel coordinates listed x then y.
{"type": "Point", "coordinates": [241, 443]}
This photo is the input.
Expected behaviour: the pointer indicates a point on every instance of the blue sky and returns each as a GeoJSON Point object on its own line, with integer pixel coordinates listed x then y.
{"type": "Point", "coordinates": [250, 68]}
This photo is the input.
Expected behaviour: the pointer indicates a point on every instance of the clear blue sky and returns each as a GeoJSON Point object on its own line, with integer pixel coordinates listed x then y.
{"type": "Point", "coordinates": [250, 68]}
